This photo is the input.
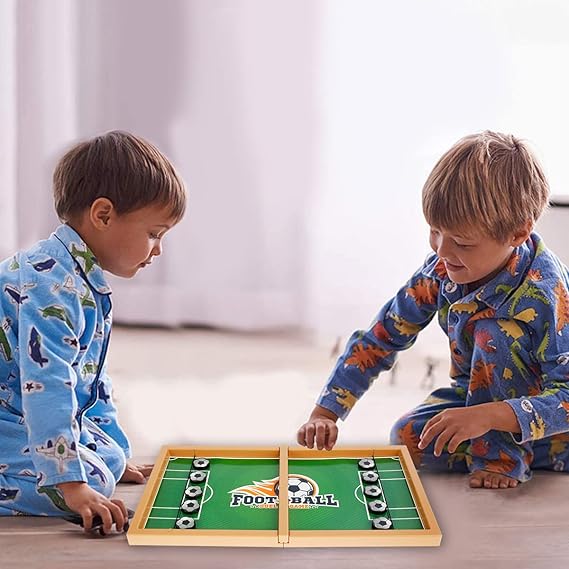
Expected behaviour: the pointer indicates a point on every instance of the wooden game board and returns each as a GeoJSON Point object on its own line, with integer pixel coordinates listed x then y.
{"type": "Point", "coordinates": [243, 501]}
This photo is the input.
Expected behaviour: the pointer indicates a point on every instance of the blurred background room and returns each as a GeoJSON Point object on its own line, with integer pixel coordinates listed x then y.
{"type": "Point", "coordinates": [304, 130]}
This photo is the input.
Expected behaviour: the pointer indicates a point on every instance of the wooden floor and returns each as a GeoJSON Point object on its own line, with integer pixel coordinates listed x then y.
{"type": "Point", "coordinates": [517, 528]}
{"type": "Point", "coordinates": [232, 376]}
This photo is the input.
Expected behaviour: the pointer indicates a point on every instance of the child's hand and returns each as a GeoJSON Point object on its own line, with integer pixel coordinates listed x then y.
{"type": "Point", "coordinates": [137, 473]}
{"type": "Point", "coordinates": [320, 428]}
{"type": "Point", "coordinates": [453, 426]}
{"type": "Point", "coordinates": [81, 498]}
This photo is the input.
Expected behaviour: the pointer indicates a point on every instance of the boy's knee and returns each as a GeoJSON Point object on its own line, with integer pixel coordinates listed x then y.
{"type": "Point", "coordinates": [103, 474]}
{"type": "Point", "coordinates": [104, 483]}
{"type": "Point", "coordinates": [404, 432]}
{"type": "Point", "coordinates": [394, 436]}
{"type": "Point", "coordinates": [116, 463]}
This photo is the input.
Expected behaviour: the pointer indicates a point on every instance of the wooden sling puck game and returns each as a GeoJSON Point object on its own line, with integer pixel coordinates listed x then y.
{"type": "Point", "coordinates": [284, 497]}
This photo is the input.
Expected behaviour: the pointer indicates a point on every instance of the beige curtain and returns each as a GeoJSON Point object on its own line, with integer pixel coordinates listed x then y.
{"type": "Point", "coordinates": [38, 110]}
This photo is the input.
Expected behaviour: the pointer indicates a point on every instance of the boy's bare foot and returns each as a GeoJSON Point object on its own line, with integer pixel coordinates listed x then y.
{"type": "Point", "coordinates": [485, 479]}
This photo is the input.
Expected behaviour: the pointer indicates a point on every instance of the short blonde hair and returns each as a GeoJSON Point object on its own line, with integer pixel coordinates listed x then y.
{"type": "Point", "coordinates": [122, 167]}
{"type": "Point", "coordinates": [491, 182]}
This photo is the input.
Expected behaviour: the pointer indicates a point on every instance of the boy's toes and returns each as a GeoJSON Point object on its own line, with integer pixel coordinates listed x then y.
{"type": "Point", "coordinates": [497, 481]}
{"type": "Point", "coordinates": [476, 480]}
{"type": "Point", "coordinates": [493, 480]}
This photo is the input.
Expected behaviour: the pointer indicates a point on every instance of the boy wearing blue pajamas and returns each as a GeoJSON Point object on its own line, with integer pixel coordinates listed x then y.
{"type": "Point", "coordinates": [62, 448]}
{"type": "Point", "coordinates": [502, 299]}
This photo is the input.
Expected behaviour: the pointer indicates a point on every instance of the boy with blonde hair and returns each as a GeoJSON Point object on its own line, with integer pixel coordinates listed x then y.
{"type": "Point", "coordinates": [62, 449]}
{"type": "Point", "coordinates": [502, 299]}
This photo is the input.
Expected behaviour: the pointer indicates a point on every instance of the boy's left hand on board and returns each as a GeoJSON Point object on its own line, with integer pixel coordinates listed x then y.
{"type": "Point", "coordinates": [137, 473]}
{"type": "Point", "coordinates": [97, 522]}
{"type": "Point", "coordinates": [453, 426]}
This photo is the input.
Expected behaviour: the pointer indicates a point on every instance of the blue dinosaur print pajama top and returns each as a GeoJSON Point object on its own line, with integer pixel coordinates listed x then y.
{"type": "Point", "coordinates": [58, 422]}
{"type": "Point", "coordinates": [509, 341]}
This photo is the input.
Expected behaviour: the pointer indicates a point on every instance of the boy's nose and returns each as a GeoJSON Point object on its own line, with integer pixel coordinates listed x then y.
{"type": "Point", "coordinates": [442, 248]}
{"type": "Point", "coordinates": [157, 249]}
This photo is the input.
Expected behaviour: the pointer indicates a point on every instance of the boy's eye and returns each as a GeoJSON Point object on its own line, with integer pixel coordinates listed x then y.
{"type": "Point", "coordinates": [153, 236]}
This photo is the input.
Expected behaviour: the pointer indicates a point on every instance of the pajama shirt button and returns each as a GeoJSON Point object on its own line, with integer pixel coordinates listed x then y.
{"type": "Point", "coordinates": [451, 287]}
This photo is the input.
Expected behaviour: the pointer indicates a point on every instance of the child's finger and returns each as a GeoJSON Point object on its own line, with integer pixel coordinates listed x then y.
{"type": "Point", "coordinates": [117, 515]}
{"type": "Point", "coordinates": [442, 440]}
{"type": "Point", "coordinates": [309, 437]}
{"type": "Point", "coordinates": [121, 505]}
{"type": "Point", "coordinates": [321, 430]}
{"type": "Point", "coordinates": [455, 442]}
{"type": "Point", "coordinates": [432, 421]}
{"type": "Point", "coordinates": [146, 469]}
{"type": "Point", "coordinates": [332, 436]}
{"type": "Point", "coordinates": [137, 477]}
{"type": "Point", "coordinates": [429, 433]}
{"type": "Point", "coordinates": [106, 517]}
{"type": "Point", "coordinates": [87, 516]}
{"type": "Point", "coordinates": [301, 436]}
{"type": "Point", "coordinates": [425, 436]}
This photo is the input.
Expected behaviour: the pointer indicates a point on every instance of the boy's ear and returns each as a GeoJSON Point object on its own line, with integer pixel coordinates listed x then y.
{"type": "Point", "coordinates": [101, 213]}
{"type": "Point", "coordinates": [522, 234]}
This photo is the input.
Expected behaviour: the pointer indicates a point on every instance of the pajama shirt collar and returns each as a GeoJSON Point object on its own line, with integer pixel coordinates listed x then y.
{"type": "Point", "coordinates": [84, 257]}
{"type": "Point", "coordinates": [496, 292]}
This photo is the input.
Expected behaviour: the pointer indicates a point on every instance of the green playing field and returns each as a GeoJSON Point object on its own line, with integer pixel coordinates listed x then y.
{"type": "Point", "coordinates": [240, 493]}
{"type": "Point", "coordinates": [341, 479]}
{"type": "Point", "coordinates": [223, 476]}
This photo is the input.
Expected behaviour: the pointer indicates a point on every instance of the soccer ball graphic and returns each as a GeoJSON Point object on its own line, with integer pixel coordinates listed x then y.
{"type": "Point", "coordinates": [299, 487]}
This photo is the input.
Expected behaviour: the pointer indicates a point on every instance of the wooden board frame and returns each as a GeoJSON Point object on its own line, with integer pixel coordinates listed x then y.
{"type": "Point", "coordinates": [283, 536]}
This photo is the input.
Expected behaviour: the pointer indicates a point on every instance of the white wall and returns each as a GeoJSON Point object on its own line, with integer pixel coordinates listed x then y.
{"type": "Point", "coordinates": [225, 88]}
{"type": "Point", "coordinates": [400, 83]}
{"type": "Point", "coordinates": [8, 111]}
{"type": "Point", "coordinates": [305, 131]}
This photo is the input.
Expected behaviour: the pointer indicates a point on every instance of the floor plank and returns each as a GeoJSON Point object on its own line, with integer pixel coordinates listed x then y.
{"type": "Point", "coordinates": [155, 372]}
{"type": "Point", "coordinates": [523, 527]}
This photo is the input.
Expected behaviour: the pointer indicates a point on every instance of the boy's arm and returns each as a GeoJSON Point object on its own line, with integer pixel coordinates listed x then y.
{"type": "Point", "coordinates": [395, 329]}
{"type": "Point", "coordinates": [104, 413]}
{"type": "Point", "coordinates": [50, 321]}
{"type": "Point", "coordinates": [547, 413]}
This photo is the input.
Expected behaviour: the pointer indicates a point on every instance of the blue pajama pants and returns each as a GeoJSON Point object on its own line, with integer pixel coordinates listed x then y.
{"type": "Point", "coordinates": [496, 451]}
{"type": "Point", "coordinates": [104, 463]}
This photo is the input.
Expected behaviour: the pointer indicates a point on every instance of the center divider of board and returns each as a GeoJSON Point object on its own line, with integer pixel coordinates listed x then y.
{"type": "Point", "coordinates": [283, 531]}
